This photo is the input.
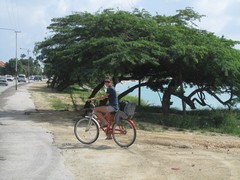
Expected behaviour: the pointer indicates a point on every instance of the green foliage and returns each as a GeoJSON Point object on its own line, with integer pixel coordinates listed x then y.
{"type": "Point", "coordinates": [164, 51]}
{"type": "Point", "coordinates": [34, 67]}
{"type": "Point", "coordinates": [58, 104]}
{"type": "Point", "coordinates": [10, 67]}
{"type": "Point", "coordinates": [220, 121]}
{"type": "Point", "coordinates": [78, 91]}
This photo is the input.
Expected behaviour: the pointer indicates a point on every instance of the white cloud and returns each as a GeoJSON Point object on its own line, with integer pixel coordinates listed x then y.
{"type": "Point", "coordinates": [38, 17]}
{"type": "Point", "coordinates": [67, 6]}
{"type": "Point", "coordinates": [221, 16]}
{"type": "Point", "coordinates": [215, 19]}
{"type": "Point", "coordinates": [62, 6]}
{"type": "Point", "coordinates": [214, 7]}
{"type": "Point", "coordinates": [32, 17]}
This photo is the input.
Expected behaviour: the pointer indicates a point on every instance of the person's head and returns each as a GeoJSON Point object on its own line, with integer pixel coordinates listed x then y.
{"type": "Point", "coordinates": [108, 81]}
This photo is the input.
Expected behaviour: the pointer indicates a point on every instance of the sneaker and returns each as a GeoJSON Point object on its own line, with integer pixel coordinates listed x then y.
{"type": "Point", "coordinates": [109, 137]}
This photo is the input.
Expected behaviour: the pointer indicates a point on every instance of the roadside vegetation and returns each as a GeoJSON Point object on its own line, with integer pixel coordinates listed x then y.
{"type": "Point", "coordinates": [151, 118]}
{"type": "Point", "coordinates": [167, 54]}
{"type": "Point", "coordinates": [219, 120]}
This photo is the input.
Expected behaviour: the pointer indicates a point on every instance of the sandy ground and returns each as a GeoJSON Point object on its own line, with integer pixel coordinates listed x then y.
{"type": "Point", "coordinates": [154, 155]}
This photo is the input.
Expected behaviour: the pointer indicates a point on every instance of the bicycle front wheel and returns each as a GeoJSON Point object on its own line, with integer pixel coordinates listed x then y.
{"type": "Point", "coordinates": [86, 130]}
{"type": "Point", "coordinates": [124, 133]}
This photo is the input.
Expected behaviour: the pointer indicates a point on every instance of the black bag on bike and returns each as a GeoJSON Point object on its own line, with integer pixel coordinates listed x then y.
{"type": "Point", "coordinates": [122, 105]}
{"type": "Point", "coordinates": [126, 110]}
{"type": "Point", "coordinates": [127, 107]}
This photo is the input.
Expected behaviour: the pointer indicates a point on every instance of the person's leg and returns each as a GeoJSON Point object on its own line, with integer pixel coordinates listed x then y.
{"type": "Point", "coordinates": [99, 112]}
{"type": "Point", "coordinates": [109, 109]}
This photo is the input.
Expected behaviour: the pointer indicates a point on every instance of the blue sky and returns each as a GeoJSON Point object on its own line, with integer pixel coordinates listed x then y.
{"type": "Point", "coordinates": [32, 17]}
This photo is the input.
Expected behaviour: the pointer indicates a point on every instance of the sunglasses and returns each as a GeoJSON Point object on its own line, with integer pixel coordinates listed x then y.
{"type": "Point", "coordinates": [107, 81]}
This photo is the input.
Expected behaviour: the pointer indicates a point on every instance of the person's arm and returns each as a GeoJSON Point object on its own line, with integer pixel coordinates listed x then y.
{"type": "Point", "coordinates": [99, 98]}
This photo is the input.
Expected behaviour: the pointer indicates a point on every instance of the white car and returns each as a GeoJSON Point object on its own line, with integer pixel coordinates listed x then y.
{"type": "Point", "coordinates": [9, 77]}
{"type": "Point", "coordinates": [3, 81]}
{"type": "Point", "coordinates": [22, 78]}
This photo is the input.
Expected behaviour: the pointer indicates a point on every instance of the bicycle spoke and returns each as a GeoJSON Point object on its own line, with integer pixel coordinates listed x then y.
{"type": "Point", "coordinates": [86, 131]}
{"type": "Point", "coordinates": [124, 134]}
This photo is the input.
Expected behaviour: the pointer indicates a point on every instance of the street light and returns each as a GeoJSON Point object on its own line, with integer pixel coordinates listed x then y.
{"type": "Point", "coordinates": [16, 68]}
{"type": "Point", "coordinates": [28, 61]}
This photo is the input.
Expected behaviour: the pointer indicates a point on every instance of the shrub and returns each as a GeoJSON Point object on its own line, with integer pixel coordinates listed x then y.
{"type": "Point", "coordinates": [222, 121]}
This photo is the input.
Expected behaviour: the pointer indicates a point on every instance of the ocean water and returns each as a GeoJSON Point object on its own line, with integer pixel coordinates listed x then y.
{"type": "Point", "coordinates": [150, 97]}
{"type": "Point", "coordinates": [154, 98]}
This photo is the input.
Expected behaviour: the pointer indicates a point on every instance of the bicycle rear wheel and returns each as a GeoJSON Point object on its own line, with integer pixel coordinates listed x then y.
{"type": "Point", "coordinates": [86, 130]}
{"type": "Point", "coordinates": [124, 133]}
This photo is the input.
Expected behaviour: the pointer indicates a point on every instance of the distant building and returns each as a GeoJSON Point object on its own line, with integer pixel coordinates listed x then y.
{"type": "Point", "coordinates": [2, 64]}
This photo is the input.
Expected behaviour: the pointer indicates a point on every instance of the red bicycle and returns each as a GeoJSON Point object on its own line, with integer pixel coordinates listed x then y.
{"type": "Point", "coordinates": [122, 130]}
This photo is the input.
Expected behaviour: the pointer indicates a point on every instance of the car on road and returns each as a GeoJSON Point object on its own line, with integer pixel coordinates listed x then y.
{"type": "Point", "coordinates": [3, 81]}
{"type": "Point", "coordinates": [22, 78]}
{"type": "Point", "coordinates": [9, 77]}
{"type": "Point", "coordinates": [37, 78]}
{"type": "Point", "coordinates": [31, 77]}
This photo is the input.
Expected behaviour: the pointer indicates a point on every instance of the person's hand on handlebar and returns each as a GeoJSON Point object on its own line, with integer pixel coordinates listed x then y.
{"type": "Point", "coordinates": [98, 98]}
{"type": "Point", "coordinates": [91, 99]}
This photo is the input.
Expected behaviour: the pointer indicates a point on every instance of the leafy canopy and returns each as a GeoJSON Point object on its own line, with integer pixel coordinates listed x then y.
{"type": "Point", "coordinates": [167, 52]}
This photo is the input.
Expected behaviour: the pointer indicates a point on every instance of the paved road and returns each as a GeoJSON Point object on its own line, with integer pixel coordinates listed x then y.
{"type": "Point", "coordinates": [10, 84]}
{"type": "Point", "coordinates": [3, 87]}
{"type": "Point", "coordinates": [26, 150]}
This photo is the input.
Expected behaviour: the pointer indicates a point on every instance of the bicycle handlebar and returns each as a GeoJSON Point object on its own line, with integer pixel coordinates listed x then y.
{"type": "Point", "coordinates": [89, 105]}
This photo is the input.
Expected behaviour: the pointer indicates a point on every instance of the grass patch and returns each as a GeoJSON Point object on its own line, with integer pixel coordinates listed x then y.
{"type": "Point", "coordinates": [56, 103]}
{"type": "Point", "coordinates": [220, 121]}
{"type": "Point", "coordinates": [59, 105]}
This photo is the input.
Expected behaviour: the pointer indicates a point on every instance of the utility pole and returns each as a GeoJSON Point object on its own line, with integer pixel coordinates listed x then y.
{"type": "Point", "coordinates": [16, 80]}
{"type": "Point", "coordinates": [139, 92]}
{"type": "Point", "coordinates": [16, 68]}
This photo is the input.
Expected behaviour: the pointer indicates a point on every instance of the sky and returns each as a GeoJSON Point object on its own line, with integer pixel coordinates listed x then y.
{"type": "Point", "coordinates": [29, 19]}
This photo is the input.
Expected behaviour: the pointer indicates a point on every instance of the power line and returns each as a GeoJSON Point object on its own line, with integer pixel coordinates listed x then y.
{"type": "Point", "coordinates": [12, 11]}
{"type": "Point", "coordinates": [16, 15]}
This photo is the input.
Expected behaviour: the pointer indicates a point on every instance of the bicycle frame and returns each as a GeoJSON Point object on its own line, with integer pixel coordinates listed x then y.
{"type": "Point", "coordinates": [93, 117]}
{"type": "Point", "coordinates": [109, 118]}
{"type": "Point", "coordinates": [87, 129]}
{"type": "Point", "coordinates": [132, 123]}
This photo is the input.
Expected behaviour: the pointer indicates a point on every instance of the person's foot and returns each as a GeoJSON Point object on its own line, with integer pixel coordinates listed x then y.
{"type": "Point", "coordinates": [109, 137]}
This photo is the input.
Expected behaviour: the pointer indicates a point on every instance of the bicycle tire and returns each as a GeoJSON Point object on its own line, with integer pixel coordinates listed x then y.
{"type": "Point", "coordinates": [86, 130]}
{"type": "Point", "coordinates": [124, 133]}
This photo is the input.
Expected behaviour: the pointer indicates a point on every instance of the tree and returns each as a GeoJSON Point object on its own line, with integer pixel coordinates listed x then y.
{"type": "Point", "coordinates": [10, 67]}
{"type": "Point", "coordinates": [91, 49]}
{"type": "Point", "coordinates": [167, 53]}
{"type": "Point", "coordinates": [34, 66]}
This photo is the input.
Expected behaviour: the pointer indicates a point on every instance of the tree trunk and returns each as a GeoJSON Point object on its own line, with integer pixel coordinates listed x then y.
{"type": "Point", "coordinates": [166, 102]}
{"type": "Point", "coordinates": [183, 107]}
{"type": "Point", "coordinates": [183, 103]}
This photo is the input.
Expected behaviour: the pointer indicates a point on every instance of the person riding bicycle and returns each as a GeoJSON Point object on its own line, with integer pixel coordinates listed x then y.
{"type": "Point", "coordinates": [112, 106]}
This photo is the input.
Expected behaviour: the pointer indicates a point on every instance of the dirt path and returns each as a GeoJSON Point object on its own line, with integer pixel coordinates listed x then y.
{"type": "Point", "coordinates": [155, 155]}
